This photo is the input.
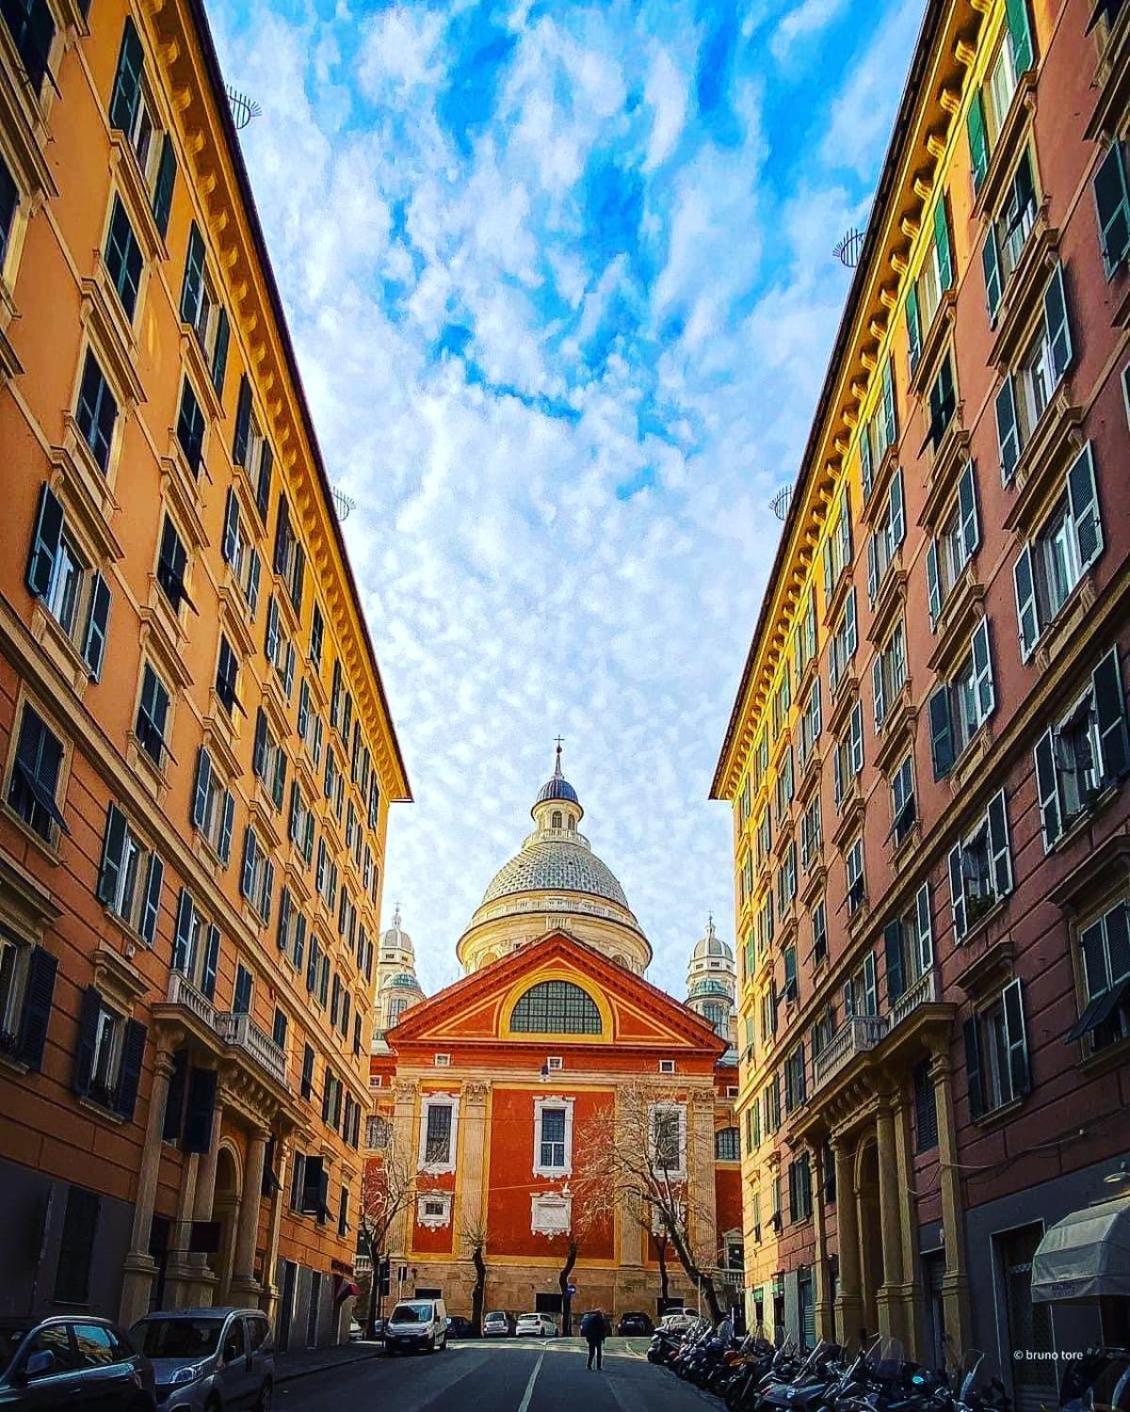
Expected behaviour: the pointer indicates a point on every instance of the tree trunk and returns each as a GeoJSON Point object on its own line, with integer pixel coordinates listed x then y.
{"type": "Point", "coordinates": [479, 1291]}
{"type": "Point", "coordinates": [563, 1285]}
{"type": "Point", "coordinates": [698, 1277]}
{"type": "Point", "coordinates": [664, 1277]}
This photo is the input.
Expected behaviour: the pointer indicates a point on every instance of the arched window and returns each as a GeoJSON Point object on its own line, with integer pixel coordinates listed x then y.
{"type": "Point", "coordinates": [572, 823]}
{"type": "Point", "coordinates": [396, 1007]}
{"type": "Point", "coordinates": [377, 1133]}
{"type": "Point", "coordinates": [726, 1147]}
{"type": "Point", "coordinates": [716, 1015]}
{"type": "Point", "coordinates": [556, 1007]}
{"type": "Point", "coordinates": [557, 818]}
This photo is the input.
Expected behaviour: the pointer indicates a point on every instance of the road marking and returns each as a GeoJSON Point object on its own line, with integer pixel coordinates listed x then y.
{"type": "Point", "coordinates": [524, 1405]}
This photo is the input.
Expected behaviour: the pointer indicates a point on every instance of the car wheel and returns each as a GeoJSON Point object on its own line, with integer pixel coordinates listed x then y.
{"type": "Point", "coordinates": [265, 1396]}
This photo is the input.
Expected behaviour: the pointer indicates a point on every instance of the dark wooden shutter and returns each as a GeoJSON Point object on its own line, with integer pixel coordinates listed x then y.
{"type": "Point", "coordinates": [892, 943]}
{"type": "Point", "coordinates": [193, 276]}
{"type": "Point", "coordinates": [87, 1032]}
{"type": "Point", "coordinates": [242, 423]}
{"type": "Point", "coordinates": [973, 1068]}
{"type": "Point", "coordinates": [978, 140]}
{"type": "Point", "coordinates": [199, 1110]}
{"type": "Point", "coordinates": [39, 992]}
{"type": "Point", "coordinates": [941, 732]}
{"type": "Point", "coordinates": [129, 1076]}
{"type": "Point", "coordinates": [1110, 714]}
{"type": "Point", "coordinates": [113, 844]}
{"type": "Point", "coordinates": [220, 352]}
{"type": "Point", "coordinates": [127, 80]}
{"type": "Point", "coordinates": [174, 1104]}
{"type": "Point", "coordinates": [942, 244]}
{"type": "Point", "coordinates": [94, 646]}
{"type": "Point", "coordinates": [1016, 1038]}
{"type": "Point", "coordinates": [166, 180]}
{"type": "Point", "coordinates": [152, 909]}
{"type": "Point", "coordinates": [200, 789]}
{"type": "Point", "coordinates": [263, 489]}
{"type": "Point", "coordinates": [44, 542]}
{"type": "Point", "coordinates": [211, 962]}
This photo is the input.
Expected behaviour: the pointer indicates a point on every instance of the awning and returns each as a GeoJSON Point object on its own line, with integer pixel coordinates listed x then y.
{"type": "Point", "coordinates": [1085, 1255]}
{"type": "Point", "coordinates": [347, 1290]}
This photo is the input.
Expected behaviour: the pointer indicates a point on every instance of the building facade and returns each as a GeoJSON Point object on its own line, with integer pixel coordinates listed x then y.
{"type": "Point", "coordinates": [197, 755]}
{"type": "Point", "coordinates": [926, 760]}
{"type": "Point", "coordinates": [485, 1092]}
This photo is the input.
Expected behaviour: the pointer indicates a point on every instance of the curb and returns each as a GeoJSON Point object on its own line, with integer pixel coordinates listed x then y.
{"type": "Point", "coordinates": [291, 1376]}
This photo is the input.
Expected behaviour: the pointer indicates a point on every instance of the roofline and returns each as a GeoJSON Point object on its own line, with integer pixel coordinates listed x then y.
{"type": "Point", "coordinates": [891, 164]}
{"type": "Point", "coordinates": [243, 181]}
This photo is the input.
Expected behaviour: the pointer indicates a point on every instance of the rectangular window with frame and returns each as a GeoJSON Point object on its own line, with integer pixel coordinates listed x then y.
{"type": "Point", "coordinates": [933, 280]}
{"type": "Point", "coordinates": [97, 412]}
{"type": "Point", "coordinates": [438, 1134]}
{"type": "Point", "coordinates": [811, 832]}
{"type": "Point", "coordinates": [268, 759]}
{"type": "Point", "coordinates": [1028, 387]}
{"type": "Point", "coordinates": [861, 990]}
{"type": "Point", "coordinates": [32, 28]}
{"type": "Point", "coordinates": [854, 877]}
{"type": "Point", "coordinates": [252, 450]}
{"type": "Point", "coordinates": [213, 806]}
{"type": "Point", "coordinates": [152, 723]}
{"type": "Point", "coordinates": [1111, 188]}
{"type": "Point", "coordinates": [1104, 963]}
{"type": "Point", "coordinates": [960, 707]}
{"type": "Point", "coordinates": [130, 877]}
{"type": "Point", "coordinates": [201, 309]}
{"type": "Point", "coordinates": [133, 112]}
{"type": "Point", "coordinates": [123, 260]}
{"type": "Point", "coordinates": [811, 724]}
{"type": "Point", "coordinates": [942, 404]}
{"type": "Point", "coordinates": [9, 205]}
{"type": "Point", "coordinates": [885, 539]}
{"type": "Point", "coordinates": [847, 758]}
{"type": "Point", "coordinates": [888, 673]}
{"type": "Point", "coordinates": [172, 562]}
{"type": "Point", "coordinates": [34, 782]}
{"type": "Point", "coordinates": [551, 1139]}
{"type": "Point", "coordinates": [60, 575]}
{"type": "Point", "coordinates": [996, 1053]}
{"type": "Point", "coordinates": [836, 553]}
{"type": "Point", "coordinates": [819, 932]}
{"type": "Point", "coordinates": [980, 868]}
{"type": "Point", "coordinates": [908, 944]}
{"type": "Point", "coordinates": [948, 552]}
{"type": "Point", "coordinates": [904, 810]}
{"type": "Point", "coordinates": [190, 427]}
{"type": "Point", "coordinates": [845, 639]}
{"type": "Point", "coordinates": [257, 876]}
{"type": "Point", "coordinates": [227, 676]}
{"type": "Point", "coordinates": [988, 113]}
{"type": "Point", "coordinates": [238, 549]}
{"type": "Point", "coordinates": [196, 946]}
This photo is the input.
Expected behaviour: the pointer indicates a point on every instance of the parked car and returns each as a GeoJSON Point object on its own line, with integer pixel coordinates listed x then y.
{"type": "Point", "coordinates": [379, 1328]}
{"type": "Point", "coordinates": [458, 1327]}
{"type": "Point", "coordinates": [205, 1357]}
{"type": "Point", "coordinates": [72, 1360]}
{"type": "Point", "coordinates": [497, 1324]}
{"type": "Point", "coordinates": [419, 1324]}
{"type": "Point", "coordinates": [677, 1321]}
{"type": "Point", "coordinates": [536, 1326]}
{"type": "Point", "coordinates": [356, 1330]}
{"type": "Point", "coordinates": [635, 1324]}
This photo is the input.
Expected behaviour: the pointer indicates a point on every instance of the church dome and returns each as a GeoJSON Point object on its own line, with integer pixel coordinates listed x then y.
{"type": "Point", "coordinates": [396, 938]}
{"type": "Point", "coordinates": [557, 788]}
{"type": "Point", "coordinates": [712, 945]}
{"type": "Point", "coordinates": [553, 865]}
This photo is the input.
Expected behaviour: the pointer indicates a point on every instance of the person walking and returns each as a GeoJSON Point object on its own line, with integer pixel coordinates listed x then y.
{"type": "Point", "coordinates": [594, 1330]}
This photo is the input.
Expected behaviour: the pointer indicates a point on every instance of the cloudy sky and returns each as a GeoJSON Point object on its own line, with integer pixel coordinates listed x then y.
{"type": "Point", "coordinates": [561, 282]}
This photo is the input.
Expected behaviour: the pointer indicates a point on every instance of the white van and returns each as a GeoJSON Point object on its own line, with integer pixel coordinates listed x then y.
{"type": "Point", "coordinates": [417, 1324]}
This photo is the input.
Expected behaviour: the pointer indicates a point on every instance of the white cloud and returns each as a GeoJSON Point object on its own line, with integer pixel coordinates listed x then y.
{"type": "Point", "coordinates": [666, 92]}
{"type": "Point", "coordinates": [801, 24]}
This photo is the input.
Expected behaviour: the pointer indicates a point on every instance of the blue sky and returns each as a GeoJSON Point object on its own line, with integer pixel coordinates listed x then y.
{"type": "Point", "coordinates": [561, 281]}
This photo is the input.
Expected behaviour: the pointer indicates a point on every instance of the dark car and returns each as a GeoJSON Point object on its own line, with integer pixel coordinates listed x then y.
{"type": "Point", "coordinates": [636, 1324]}
{"type": "Point", "coordinates": [72, 1361]}
{"type": "Point", "coordinates": [458, 1327]}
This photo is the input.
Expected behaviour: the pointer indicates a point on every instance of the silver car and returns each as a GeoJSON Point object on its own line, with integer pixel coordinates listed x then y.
{"type": "Point", "coordinates": [209, 1360]}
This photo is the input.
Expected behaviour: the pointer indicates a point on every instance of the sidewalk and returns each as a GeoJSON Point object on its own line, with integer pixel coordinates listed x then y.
{"type": "Point", "coordinates": [303, 1362]}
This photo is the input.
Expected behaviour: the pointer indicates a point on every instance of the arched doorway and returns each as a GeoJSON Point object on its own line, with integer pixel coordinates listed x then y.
{"type": "Point", "coordinates": [870, 1232]}
{"type": "Point", "coordinates": [225, 1212]}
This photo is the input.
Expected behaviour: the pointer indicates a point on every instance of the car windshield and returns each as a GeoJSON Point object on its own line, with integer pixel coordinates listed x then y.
{"type": "Point", "coordinates": [418, 1313]}
{"type": "Point", "coordinates": [177, 1338]}
{"type": "Point", "coordinates": [11, 1336]}
{"type": "Point", "coordinates": [497, 1316]}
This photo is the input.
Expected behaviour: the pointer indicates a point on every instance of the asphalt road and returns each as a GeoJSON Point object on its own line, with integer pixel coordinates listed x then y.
{"type": "Point", "coordinates": [515, 1375]}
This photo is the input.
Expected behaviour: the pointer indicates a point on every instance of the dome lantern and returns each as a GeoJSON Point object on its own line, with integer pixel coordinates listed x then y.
{"type": "Point", "coordinates": [557, 805]}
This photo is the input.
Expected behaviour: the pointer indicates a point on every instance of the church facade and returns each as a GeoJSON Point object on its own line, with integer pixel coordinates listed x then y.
{"type": "Point", "coordinates": [489, 1087]}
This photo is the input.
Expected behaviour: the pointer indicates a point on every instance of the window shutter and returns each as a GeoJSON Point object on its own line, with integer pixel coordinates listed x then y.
{"type": "Point", "coordinates": [127, 80]}
{"type": "Point", "coordinates": [282, 535]}
{"type": "Point", "coordinates": [872, 569]}
{"type": "Point", "coordinates": [299, 941]}
{"type": "Point", "coordinates": [39, 994]}
{"type": "Point", "coordinates": [983, 671]}
{"type": "Point", "coordinates": [284, 918]}
{"type": "Point", "coordinates": [867, 470]}
{"type": "Point", "coordinates": [113, 845]}
{"type": "Point", "coordinates": [1084, 499]}
{"type": "Point", "coordinates": [193, 276]}
{"type": "Point", "coordinates": [1016, 1038]}
{"type": "Point", "coordinates": [1112, 204]}
{"type": "Point", "coordinates": [44, 542]}
{"type": "Point", "coordinates": [271, 642]}
{"type": "Point", "coordinates": [870, 985]}
{"type": "Point", "coordinates": [226, 827]}
{"type": "Point", "coordinates": [898, 510]}
{"type": "Point", "coordinates": [247, 873]}
{"type": "Point", "coordinates": [892, 944]}
{"type": "Point", "coordinates": [957, 891]}
{"type": "Point", "coordinates": [857, 738]}
{"type": "Point", "coordinates": [890, 425]}
{"type": "Point", "coordinates": [942, 244]}
{"type": "Point", "coordinates": [129, 1075]}
{"type": "Point", "coordinates": [308, 842]}
{"type": "Point", "coordinates": [211, 962]}
{"type": "Point", "coordinates": [220, 352]}
{"type": "Point", "coordinates": [298, 578]}
{"type": "Point", "coordinates": [263, 489]}
{"type": "Point", "coordinates": [925, 928]}
{"type": "Point", "coordinates": [253, 583]}
{"type": "Point", "coordinates": [200, 789]}
{"type": "Point", "coordinates": [242, 423]}
{"type": "Point", "coordinates": [279, 784]}
{"type": "Point", "coordinates": [1020, 32]}
{"type": "Point", "coordinates": [259, 750]}
{"type": "Point", "coordinates": [303, 709]}
{"type": "Point", "coordinates": [941, 732]}
{"type": "Point", "coordinates": [166, 180]}
{"type": "Point", "coordinates": [851, 637]}
{"type": "Point", "coordinates": [1026, 614]}
{"type": "Point", "coordinates": [991, 265]}
{"type": "Point", "coordinates": [97, 623]}
{"type": "Point", "coordinates": [913, 326]}
{"type": "Point", "coordinates": [183, 933]}
{"type": "Point", "coordinates": [1047, 787]}
{"type": "Point", "coordinates": [816, 726]}
{"type": "Point", "coordinates": [826, 561]}
{"type": "Point", "coordinates": [199, 1110]}
{"type": "Point", "coordinates": [1056, 323]}
{"type": "Point", "coordinates": [231, 527]}
{"type": "Point", "coordinates": [174, 1104]}
{"type": "Point", "coordinates": [967, 502]}
{"type": "Point", "coordinates": [933, 584]}
{"type": "Point", "coordinates": [1008, 432]}
{"type": "Point", "coordinates": [288, 674]}
{"type": "Point", "coordinates": [973, 1068]}
{"type": "Point", "coordinates": [87, 1033]}
{"type": "Point", "coordinates": [268, 890]}
{"type": "Point", "coordinates": [1110, 714]}
{"type": "Point", "coordinates": [152, 910]}
{"type": "Point", "coordinates": [1000, 855]}
{"type": "Point", "coordinates": [978, 140]}
{"type": "Point", "coordinates": [877, 684]}
{"type": "Point", "coordinates": [312, 968]}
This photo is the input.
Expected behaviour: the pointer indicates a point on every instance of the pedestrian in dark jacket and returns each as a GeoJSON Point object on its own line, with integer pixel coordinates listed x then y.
{"type": "Point", "coordinates": [594, 1330]}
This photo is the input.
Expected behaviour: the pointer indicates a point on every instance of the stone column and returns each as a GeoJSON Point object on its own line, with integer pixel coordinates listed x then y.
{"type": "Point", "coordinates": [244, 1285]}
{"type": "Point", "coordinates": [268, 1300]}
{"type": "Point", "coordinates": [472, 1179]}
{"type": "Point", "coordinates": [849, 1303]}
{"type": "Point", "coordinates": [700, 1177]}
{"type": "Point", "coordinates": [955, 1284]}
{"type": "Point", "coordinates": [887, 1296]}
{"type": "Point", "coordinates": [180, 1274]}
{"type": "Point", "coordinates": [406, 1135]}
{"type": "Point", "coordinates": [204, 1279]}
{"type": "Point", "coordinates": [908, 1222]}
{"type": "Point", "coordinates": [825, 1325]}
{"type": "Point", "coordinates": [139, 1267]}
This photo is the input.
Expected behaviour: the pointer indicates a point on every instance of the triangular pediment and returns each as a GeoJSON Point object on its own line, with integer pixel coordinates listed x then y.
{"type": "Point", "coordinates": [634, 1012]}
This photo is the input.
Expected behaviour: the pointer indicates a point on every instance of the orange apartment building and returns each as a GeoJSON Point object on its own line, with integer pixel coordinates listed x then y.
{"type": "Point", "coordinates": [928, 754]}
{"type": "Point", "coordinates": [196, 754]}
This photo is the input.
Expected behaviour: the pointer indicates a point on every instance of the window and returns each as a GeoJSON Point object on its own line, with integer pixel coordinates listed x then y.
{"type": "Point", "coordinates": [1008, 233]}
{"type": "Point", "coordinates": [291, 936]}
{"type": "Point", "coordinates": [942, 404]}
{"type": "Point", "coordinates": [97, 411]}
{"type": "Point", "coordinates": [811, 832]}
{"type": "Point", "coordinates": [1105, 954]}
{"type": "Point", "coordinates": [172, 560]}
{"type": "Point", "coordinates": [904, 811]}
{"type": "Point", "coordinates": [948, 553]}
{"type": "Point", "coordinates": [290, 557]}
{"type": "Point", "coordinates": [251, 450]}
{"type": "Point", "coordinates": [196, 947]}
{"type": "Point", "coordinates": [936, 276]}
{"type": "Point", "coordinates": [800, 1189]}
{"type": "Point", "coordinates": [213, 806]}
{"type": "Point", "coordinates": [843, 644]}
{"type": "Point", "coordinates": [190, 427]}
{"type": "Point", "coordinates": [76, 1247]}
{"type": "Point", "coordinates": [551, 1139]}
{"type": "Point", "coordinates": [888, 673]}
{"type": "Point", "coordinates": [556, 1007]}
{"type": "Point", "coordinates": [59, 575]}
{"type": "Point", "coordinates": [257, 878]}
{"type": "Point", "coordinates": [925, 1109]}
{"type": "Point", "coordinates": [35, 776]}
{"type": "Point", "coordinates": [764, 923]}
{"type": "Point", "coordinates": [433, 1210]}
{"type": "Point", "coordinates": [889, 533]}
{"type": "Point", "coordinates": [227, 676]}
{"type": "Point", "coordinates": [819, 932]}
{"type": "Point", "coordinates": [1087, 751]}
{"type": "Point", "coordinates": [317, 633]}
{"type": "Point", "coordinates": [908, 944]}
{"type": "Point", "coordinates": [823, 1028]}
{"type": "Point", "coordinates": [241, 996]}
{"type": "Point", "coordinates": [130, 877]}
{"type": "Point", "coordinates": [32, 28]}
{"type": "Point", "coordinates": [308, 1071]}
{"type": "Point", "coordinates": [960, 707]}
{"type": "Point", "coordinates": [9, 204]}
{"type": "Point", "coordinates": [786, 880]}
{"type": "Point", "coordinates": [1112, 206]}
{"type": "Point", "coordinates": [200, 307]}
{"type": "Point", "coordinates": [836, 553]}
{"type": "Point", "coordinates": [795, 1090]}
{"type": "Point", "coordinates": [300, 823]}
{"type": "Point", "coordinates": [132, 113]}
{"type": "Point", "coordinates": [996, 1053]}
{"type": "Point", "coordinates": [861, 990]}
{"type": "Point", "coordinates": [668, 1139]}
{"type": "Point", "coordinates": [782, 700]}
{"type": "Point", "coordinates": [980, 868]}
{"type": "Point", "coordinates": [878, 434]}
{"type": "Point", "coordinates": [784, 786]}
{"type": "Point", "coordinates": [239, 551]}
{"type": "Point", "coordinates": [268, 759]}
{"type": "Point", "coordinates": [123, 258]}
{"type": "Point", "coordinates": [108, 1055]}
{"type": "Point", "coordinates": [279, 648]}
{"type": "Point", "coordinates": [810, 725]}
{"type": "Point", "coordinates": [847, 759]}
{"type": "Point", "coordinates": [1067, 544]}
{"type": "Point", "coordinates": [764, 837]}
{"type": "Point", "coordinates": [437, 1148]}
{"type": "Point", "coordinates": [987, 114]}
{"type": "Point", "coordinates": [853, 869]}
{"type": "Point", "coordinates": [727, 1147]}
{"type": "Point", "coordinates": [806, 635]}
{"type": "Point", "coordinates": [1028, 389]}
{"type": "Point", "coordinates": [152, 715]}
{"type": "Point", "coordinates": [279, 1029]}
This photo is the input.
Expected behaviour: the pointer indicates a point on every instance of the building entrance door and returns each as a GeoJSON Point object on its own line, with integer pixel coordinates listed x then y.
{"type": "Point", "coordinates": [933, 1269]}
{"type": "Point", "coordinates": [1028, 1326]}
{"type": "Point", "coordinates": [286, 1305]}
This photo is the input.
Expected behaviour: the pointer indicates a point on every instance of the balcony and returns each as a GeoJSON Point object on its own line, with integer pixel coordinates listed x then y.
{"type": "Point", "coordinates": [183, 992]}
{"type": "Point", "coordinates": [858, 1036]}
{"type": "Point", "coordinates": [241, 1032]}
{"type": "Point", "coordinates": [923, 991]}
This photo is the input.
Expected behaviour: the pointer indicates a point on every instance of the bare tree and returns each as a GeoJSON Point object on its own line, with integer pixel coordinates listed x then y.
{"type": "Point", "coordinates": [635, 1156]}
{"type": "Point", "coordinates": [388, 1187]}
{"type": "Point", "coordinates": [661, 1243]}
{"type": "Point", "coordinates": [474, 1237]}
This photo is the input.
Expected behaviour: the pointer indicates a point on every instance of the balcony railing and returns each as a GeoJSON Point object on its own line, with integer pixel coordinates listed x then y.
{"type": "Point", "coordinates": [362, 1264]}
{"type": "Point", "coordinates": [183, 992]}
{"type": "Point", "coordinates": [859, 1034]}
{"type": "Point", "coordinates": [923, 991]}
{"type": "Point", "coordinates": [242, 1032]}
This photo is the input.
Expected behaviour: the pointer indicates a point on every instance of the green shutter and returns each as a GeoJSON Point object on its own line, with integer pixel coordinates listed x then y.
{"type": "Point", "coordinates": [978, 140]}
{"type": "Point", "coordinates": [1020, 32]}
{"type": "Point", "coordinates": [127, 80]}
{"type": "Point", "coordinates": [913, 326]}
{"type": "Point", "coordinates": [163, 191]}
{"type": "Point", "coordinates": [942, 243]}
{"type": "Point", "coordinates": [193, 276]}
